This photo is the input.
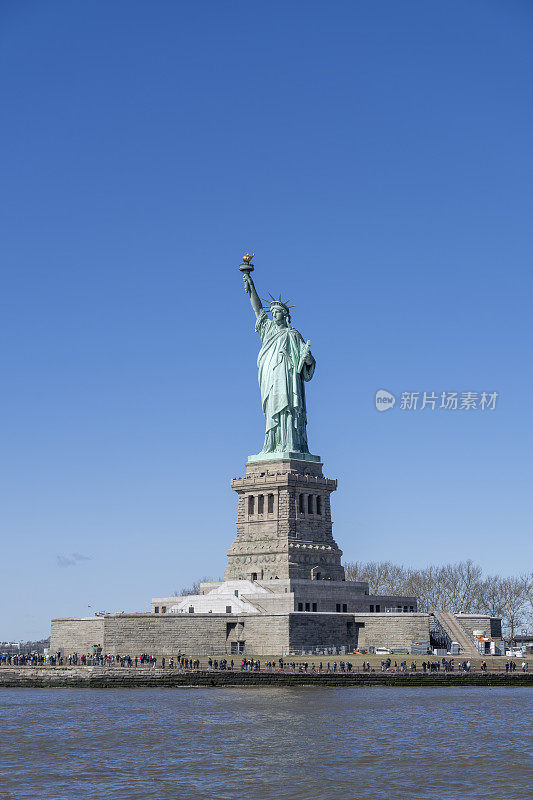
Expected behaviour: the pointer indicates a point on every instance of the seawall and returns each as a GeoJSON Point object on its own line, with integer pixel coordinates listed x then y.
{"type": "Point", "coordinates": [117, 678]}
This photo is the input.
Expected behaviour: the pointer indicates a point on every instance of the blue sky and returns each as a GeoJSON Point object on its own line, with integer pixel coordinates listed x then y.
{"type": "Point", "coordinates": [377, 157]}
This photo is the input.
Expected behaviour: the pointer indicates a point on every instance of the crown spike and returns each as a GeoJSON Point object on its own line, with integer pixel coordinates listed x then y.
{"type": "Point", "coordinates": [274, 302]}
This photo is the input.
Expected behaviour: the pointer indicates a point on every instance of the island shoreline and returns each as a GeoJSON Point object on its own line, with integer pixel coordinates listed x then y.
{"type": "Point", "coordinates": [113, 678]}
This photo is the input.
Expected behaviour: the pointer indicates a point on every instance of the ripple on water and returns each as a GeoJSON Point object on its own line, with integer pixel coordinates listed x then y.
{"type": "Point", "coordinates": [285, 743]}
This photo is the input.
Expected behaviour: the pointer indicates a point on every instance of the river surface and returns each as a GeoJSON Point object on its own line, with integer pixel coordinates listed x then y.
{"type": "Point", "coordinates": [302, 743]}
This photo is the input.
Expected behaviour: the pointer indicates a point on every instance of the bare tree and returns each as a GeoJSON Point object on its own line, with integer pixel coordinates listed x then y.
{"type": "Point", "coordinates": [529, 588]}
{"type": "Point", "coordinates": [383, 577]}
{"type": "Point", "coordinates": [459, 588]}
{"type": "Point", "coordinates": [461, 583]}
{"type": "Point", "coordinates": [427, 585]}
{"type": "Point", "coordinates": [491, 596]}
{"type": "Point", "coordinates": [508, 598]}
{"type": "Point", "coordinates": [195, 586]}
{"type": "Point", "coordinates": [354, 571]}
{"type": "Point", "coordinates": [515, 602]}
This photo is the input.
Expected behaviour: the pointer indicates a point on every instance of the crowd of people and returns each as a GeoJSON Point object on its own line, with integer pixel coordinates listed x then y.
{"type": "Point", "coordinates": [306, 667]}
{"type": "Point", "coordinates": [447, 665]}
{"type": "Point", "coordinates": [182, 662]}
{"type": "Point", "coordinates": [510, 666]}
{"type": "Point", "coordinates": [27, 660]}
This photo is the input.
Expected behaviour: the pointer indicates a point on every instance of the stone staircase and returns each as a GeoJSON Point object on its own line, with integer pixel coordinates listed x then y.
{"type": "Point", "coordinates": [457, 633]}
{"type": "Point", "coordinates": [254, 603]}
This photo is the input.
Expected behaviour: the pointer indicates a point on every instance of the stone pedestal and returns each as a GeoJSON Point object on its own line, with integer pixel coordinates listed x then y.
{"type": "Point", "coordinates": [284, 527]}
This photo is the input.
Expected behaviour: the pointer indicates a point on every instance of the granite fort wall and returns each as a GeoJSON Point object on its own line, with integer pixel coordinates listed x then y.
{"type": "Point", "coordinates": [266, 634]}
{"type": "Point", "coordinates": [76, 634]}
{"type": "Point", "coordinates": [166, 634]}
{"type": "Point", "coordinates": [477, 622]}
{"type": "Point", "coordinates": [392, 630]}
{"type": "Point", "coordinates": [307, 631]}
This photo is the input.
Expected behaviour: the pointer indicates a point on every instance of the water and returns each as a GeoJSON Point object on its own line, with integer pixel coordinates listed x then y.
{"type": "Point", "coordinates": [300, 743]}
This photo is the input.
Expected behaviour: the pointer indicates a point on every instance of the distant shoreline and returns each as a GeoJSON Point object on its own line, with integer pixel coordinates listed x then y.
{"type": "Point", "coordinates": [116, 678]}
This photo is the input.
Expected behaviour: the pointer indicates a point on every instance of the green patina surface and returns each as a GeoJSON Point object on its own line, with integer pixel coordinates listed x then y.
{"type": "Point", "coordinates": [286, 454]}
{"type": "Point", "coordinates": [285, 364]}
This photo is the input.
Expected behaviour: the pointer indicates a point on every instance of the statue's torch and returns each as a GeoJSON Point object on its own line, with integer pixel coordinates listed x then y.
{"type": "Point", "coordinates": [246, 267]}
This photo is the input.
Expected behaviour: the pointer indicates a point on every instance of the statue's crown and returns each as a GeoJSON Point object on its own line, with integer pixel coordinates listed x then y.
{"type": "Point", "coordinates": [278, 302]}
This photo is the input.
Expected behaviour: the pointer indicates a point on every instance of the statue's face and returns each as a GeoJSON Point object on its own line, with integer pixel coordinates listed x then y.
{"type": "Point", "coordinates": [278, 315]}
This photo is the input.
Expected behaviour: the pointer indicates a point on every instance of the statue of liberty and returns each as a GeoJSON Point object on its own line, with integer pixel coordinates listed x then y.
{"type": "Point", "coordinates": [285, 363]}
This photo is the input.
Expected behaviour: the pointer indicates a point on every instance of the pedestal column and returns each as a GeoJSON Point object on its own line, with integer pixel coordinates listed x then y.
{"type": "Point", "coordinates": [284, 527]}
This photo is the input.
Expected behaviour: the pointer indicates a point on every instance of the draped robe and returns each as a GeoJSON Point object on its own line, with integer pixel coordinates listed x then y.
{"type": "Point", "coordinates": [282, 386]}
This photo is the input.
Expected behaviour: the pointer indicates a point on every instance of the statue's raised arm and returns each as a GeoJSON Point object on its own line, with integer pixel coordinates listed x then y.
{"type": "Point", "coordinates": [285, 364]}
{"type": "Point", "coordinates": [247, 267]}
{"type": "Point", "coordinates": [249, 287]}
